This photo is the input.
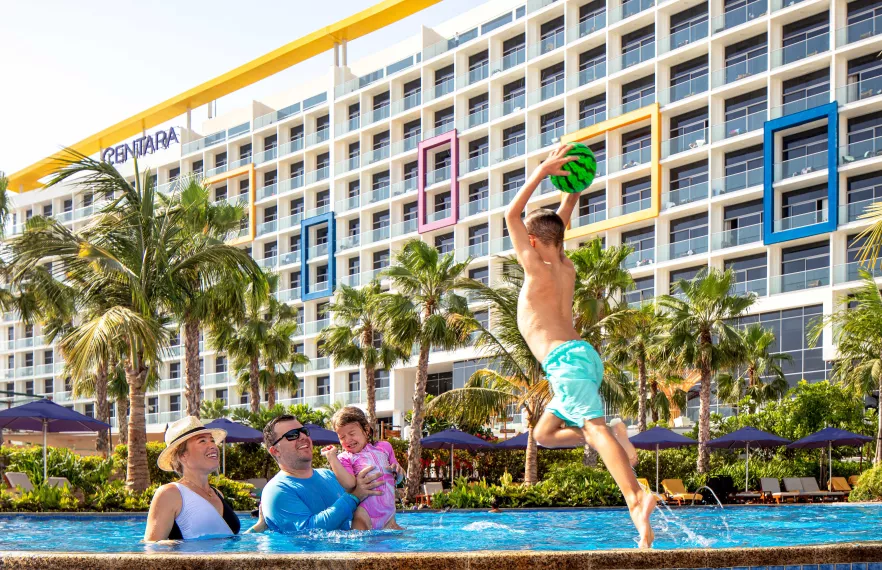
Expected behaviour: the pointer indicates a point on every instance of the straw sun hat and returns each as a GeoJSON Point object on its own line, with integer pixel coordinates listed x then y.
{"type": "Point", "coordinates": [179, 432]}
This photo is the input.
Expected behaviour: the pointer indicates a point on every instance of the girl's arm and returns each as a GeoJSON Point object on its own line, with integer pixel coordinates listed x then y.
{"type": "Point", "coordinates": [344, 473]}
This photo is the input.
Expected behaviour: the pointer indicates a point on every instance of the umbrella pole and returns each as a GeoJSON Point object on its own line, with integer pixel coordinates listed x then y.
{"type": "Point", "coordinates": [45, 467]}
{"type": "Point", "coordinates": [747, 467]}
{"type": "Point", "coordinates": [224, 468]}
{"type": "Point", "coordinates": [656, 469]}
{"type": "Point", "coordinates": [830, 466]}
{"type": "Point", "coordinates": [451, 466]}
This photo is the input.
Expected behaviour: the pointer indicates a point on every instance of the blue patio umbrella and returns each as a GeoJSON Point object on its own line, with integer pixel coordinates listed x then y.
{"type": "Point", "coordinates": [828, 437]}
{"type": "Point", "coordinates": [747, 436]}
{"type": "Point", "coordinates": [47, 416]}
{"type": "Point", "coordinates": [322, 436]}
{"type": "Point", "coordinates": [236, 433]}
{"type": "Point", "coordinates": [659, 438]}
{"type": "Point", "coordinates": [520, 442]}
{"type": "Point", "coordinates": [454, 439]}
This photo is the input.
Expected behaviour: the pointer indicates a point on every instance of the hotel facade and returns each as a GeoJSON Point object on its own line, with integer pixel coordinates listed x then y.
{"type": "Point", "coordinates": [732, 134]}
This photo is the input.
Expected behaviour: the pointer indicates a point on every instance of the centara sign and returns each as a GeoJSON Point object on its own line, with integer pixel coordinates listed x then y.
{"type": "Point", "coordinates": [139, 147]}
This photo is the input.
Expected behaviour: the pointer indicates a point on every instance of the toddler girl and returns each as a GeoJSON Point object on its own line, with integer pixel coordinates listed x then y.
{"type": "Point", "coordinates": [359, 451]}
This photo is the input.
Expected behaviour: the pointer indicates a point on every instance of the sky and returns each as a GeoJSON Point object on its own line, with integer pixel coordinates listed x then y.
{"type": "Point", "coordinates": [70, 69]}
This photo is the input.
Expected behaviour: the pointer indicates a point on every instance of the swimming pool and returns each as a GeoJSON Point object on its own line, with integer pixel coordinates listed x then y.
{"type": "Point", "coordinates": [459, 531]}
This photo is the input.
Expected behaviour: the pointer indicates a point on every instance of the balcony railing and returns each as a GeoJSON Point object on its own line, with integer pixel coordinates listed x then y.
{"type": "Point", "coordinates": [170, 384]}
{"type": "Point", "coordinates": [630, 208]}
{"type": "Point", "coordinates": [732, 18]}
{"type": "Point", "coordinates": [513, 59]}
{"type": "Point", "coordinates": [438, 175]}
{"type": "Point", "coordinates": [859, 91]}
{"type": "Point", "coordinates": [800, 166]}
{"type": "Point", "coordinates": [347, 165]}
{"type": "Point", "coordinates": [474, 163]}
{"type": "Point", "coordinates": [548, 44]}
{"type": "Point", "coordinates": [318, 211]}
{"type": "Point", "coordinates": [862, 150]}
{"type": "Point", "coordinates": [266, 155]}
{"type": "Point", "coordinates": [438, 215]}
{"type": "Point", "coordinates": [378, 234]}
{"type": "Point", "coordinates": [347, 126]}
{"type": "Point", "coordinates": [349, 242]}
{"type": "Point", "coordinates": [291, 184]}
{"type": "Point", "coordinates": [552, 89]}
{"type": "Point", "coordinates": [500, 245]}
{"type": "Point", "coordinates": [801, 104]}
{"type": "Point", "coordinates": [315, 327]}
{"type": "Point", "coordinates": [286, 295]}
{"type": "Point", "coordinates": [736, 182]}
{"type": "Point", "coordinates": [267, 191]}
{"type": "Point", "coordinates": [687, 195]}
{"type": "Point", "coordinates": [852, 212]}
{"type": "Point", "coordinates": [474, 119]}
{"type": "Point", "coordinates": [628, 9]}
{"type": "Point", "coordinates": [347, 204]}
{"type": "Point", "coordinates": [378, 154]}
{"type": "Point", "coordinates": [317, 175]}
{"type": "Point", "coordinates": [479, 73]}
{"type": "Point", "coordinates": [407, 103]}
{"type": "Point", "coordinates": [291, 146]}
{"type": "Point", "coordinates": [546, 139]}
{"type": "Point", "coordinates": [509, 151]}
{"type": "Point", "coordinates": [476, 207]}
{"type": "Point", "coordinates": [739, 126]}
{"type": "Point", "coordinates": [586, 27]}
{"type": "Point", "coordinates": [508, 107]}
{"type": "Point", "coordinates": [683, 90]}
{"type": "Point", "coordinates": [801, 50]}
{"type": "Point", "coordinates": [588, 219]}
{"type": "Point", "coordinates": [847, 272]}
{"type": "Point", "coordinates": [633, 57]}
{"type": "Point", "coordinates": [801, 280]}
{"type": "Point", "coordinates": [376, 195]}
{"type": "Point", "coordinates": [404, 228]}
{"type": "Point", "coordinates": [684, 248]}
{"type": "Point", "coordinates": [441, 88]}
{"type": "Point", "coordinates": [645, 100]}
{"type": "Point", "coordinates": [276, 116]}
{"type": "Point", "coordinates": [859, 31]}
{"type": "Point", "coordinates": [630, 159]}
{"type": "Point", "coordinates": [587, 75]}
{"type": "Point", "coordinates": [405, 186]}
{"type": "Point", "coordinates": [688, 141]}
{"type": "Point", "coordinates": [216, 378]}
{"type": "Point", "coordinates": [801, 220]}
{"type": "Point", "coordinates": [290, 221]}
{"type": "Point", "coordinates": [737, 236]}
{"type": "Point", "coordinates": [268, 262]}
{"type": "Point", "coordinates": [758, 287]}
{"type": "Point", "coordinates": [640, 258]}
{"type": "Point", "coordinates": [739, 71]}
{"type": "Point", "coordinates": [267, 227]}
{"type": "Point", "coordinates": [682, 38]}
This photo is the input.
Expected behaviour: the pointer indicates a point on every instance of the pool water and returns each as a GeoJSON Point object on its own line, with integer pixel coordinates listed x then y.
{"type": "Point", "coordinates": [576, 529]}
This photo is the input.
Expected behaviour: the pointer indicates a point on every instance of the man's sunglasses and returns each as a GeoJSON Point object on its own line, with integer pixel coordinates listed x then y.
{"type": "Point", "coordinates": [293, 434]}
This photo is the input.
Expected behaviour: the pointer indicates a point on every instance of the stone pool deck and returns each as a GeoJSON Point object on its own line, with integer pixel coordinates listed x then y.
{"type": "Point", "coordinates": [848, 556]}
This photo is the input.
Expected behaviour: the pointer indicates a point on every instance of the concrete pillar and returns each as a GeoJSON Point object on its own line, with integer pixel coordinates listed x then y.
{"type": "Point", "coordinates": [336, 54]}
{"type": "Point", "coordinates": [343, 48]}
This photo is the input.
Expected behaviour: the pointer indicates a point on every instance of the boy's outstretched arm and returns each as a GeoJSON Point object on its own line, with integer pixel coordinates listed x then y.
{"type": "Point", "coordinates": [516, 228]}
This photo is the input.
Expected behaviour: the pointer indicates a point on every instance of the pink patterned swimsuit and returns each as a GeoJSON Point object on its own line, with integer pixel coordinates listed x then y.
{"type": "Point", "coordinates": [380, 456]}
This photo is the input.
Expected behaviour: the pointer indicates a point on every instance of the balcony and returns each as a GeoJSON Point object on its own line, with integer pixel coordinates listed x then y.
{"type": "Point", "coordinates": [408, 144]}
{"type": "Point", "coordinates": [349, 242]}
{"type": "Point", "coordinates": [204, 142]}
{"type": "Point", "coordinates": [683, 90]}
{"type": "Point", "coordinates": [739, 71]}
{"type": "Point", "coordinates": [62, 397]}
{"type": "Point", "coordinates": [311, 401]}
{"type": "Point", "coordinates": [291, 221]}
{"type": "Point", "coordinates": [739, 16]}
{"type": "Point", "coordinates": [266, 155]}
{"type": "Point", "coordinates": [267, 262]}
{"type": "Point", "coordinates": [216, 378]}
{"type": "Point", "coordinates": [628, 9]}
{"type": "Point", "coordinates": [267, 191]}
{"type": "Point", "coordinates": [800, 281]}
{"type": "Point", "coordinates": [380, 113]}
{"type": "Point", "coordinates": [170, 384]}
{"type": "Point", "coordinates": [801, 220]}
{"type": "Point", "coordinates": [276, 116]}
{"type": "Point", "coordinates": [407, 103]}
{"type": "Point", "coordinates": [174, 351]}
{"type": "Point", "coordinates": [682, 38]}
{"type": "Point", "coordinates": [509, 151]}
{"type": "Point", "coordinates": [545, 187]}
{"type": "Point", "coordinates": [736, 182]}
{"type": "Point", "coordinates": [317, 250]}
{"type": "Point", "coordinates": [476, 207]}
{"type": "Point", "coordinates": [800, 166]}
{"type": "Point", "coordinates": [500, 245]}
{"type": "Point", "coordinates": [640, 258]}
{"type": "Point", "coordinates": [547, 44]}
{"type": "Point", "coordinates": [318, 137]}
{"type": "Point", "coordinates": [685, 248]}
{"type": "Point", "coordinates": [404, 228]}
{"type": "Point", "coordinates": [758, 287]}
{"type": "Point", "coordinates": [440, 129]}
{"type": "Point", "coordinates": [291, 146]}
{"type": "Point", "coordinates": [318, 210]}
{"type": "Point", "coordinates": [633, 57]}
{"type": "Point", "coordinates": [348, 165]}
{"type": "Point", "coordinates": [862, 150]}
{"type": "Point", "coordinates": [317, 175]}
{"type": "Point", "coordinates": [44, 370]}
{"type": "Point", "coordinates": [587, 75]}
{"type": "Point", "coordinates": [737, 236]}
{"type": "Point", "coordinates": [688, 141]}
{"type": "Point", "coordinates": [475, 75]}
{"type": "Point", "coordinates": [376, 235]}
{"type": "Point", "coordinates": [801, 104]}
{"type": "Point", "coordinates": [859, 91]}
{"type": "Point", "coordinates": [586, 27]}
{"type": "Point", "coordinates": [168, 417]}
{"type": "Point", "coordinates": [849, 272]}
{"type": "Point", "coordinates": [633, 105]}
{"type": "Point", "coordinates": [438, 215]}
{"type": "Point", "coordinates": [352, 124]}
{"type": "Point", "coordinates": [347, 204]}
{"type": "Point", "coordinates": [474, 119]}
{"type": "Point", "coordinates": [546, 139]}
{"type": "Point", "coordinates": [588, 219]}
{"type": "Point", "coordinates": [630, 159]}
{"type": "Point", "coordinates": [405, 186]}
{"type": "Point", "coordinates": [378, 154]}
{"type": "Point", "coordinates": [801, 50]}
{"type": "Point", "coordinates": [630, 208]}
{"type": "Point", "coordinates": [512, 59]}
{"type": "Point", "coordinates": [441, 88]}
{"type": "Point", "coordinates": [322, 363]}
{"type": "Point", "coordinates": [287, 295]}
{"type": "Point", "coordinates": [219, 169]}
{"type": "Point", "coordinates": [687, 195]}
{"type": "Point", "coordinates": [859, 31]}
{"type": "Point", "coordinates": [267, 227]}
{"type": "Point", "coordinates": [508, 107]}
{"type": "Point", "coordinates": [291, 184]}
{"type": "Point", "coordinates": [315, 327]}
{"type": "Point", "coordinates": [739, 126]}
{"type": "Point", "coordinates": [547, 91]}
{"type": "Point", "coordinates": [376, 195]}
{"type": "Point", "coordinates": [852, 212]}
{"type": "Point", "coordinates": [474, 251]}
{"type": "Point", "coordinates": [438, 175]}
{"type": "Point", "coordinates": [474, 163]}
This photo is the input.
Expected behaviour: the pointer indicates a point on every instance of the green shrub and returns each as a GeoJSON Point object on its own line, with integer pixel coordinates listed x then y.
{"type": "Point", "coordinates": [869, 486]}
{"type": "Point", "coordinates": [41, 499]}
{"type": "Point", "coordinates": [237, 493]}
{"type": "Point", "coordinates": [84, 473]}
{"type": "Point", "coordinates": [114, 497]}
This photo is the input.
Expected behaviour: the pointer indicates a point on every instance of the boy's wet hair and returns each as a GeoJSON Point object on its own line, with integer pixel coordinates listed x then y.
{"type": "Point", "coordinates": [546, 226]}
{"type": "Point", "coordinates": [352, 415]}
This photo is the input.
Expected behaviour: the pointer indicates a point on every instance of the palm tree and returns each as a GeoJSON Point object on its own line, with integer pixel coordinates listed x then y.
{"type": "Point", "coordinates": [356, 338]}
{"type": "Point", "coordinates": [857, 325]}
{"type": "Point", "coordinates": [701, 337]}
{"type": "Point", "coordinates": [279, 350]}
{"type": "Point", "coordinates": [214, 409]}
{"type": "Point", "coordinates": [632, 340]}
{"type": "Point", "coordinates": [515, 378]}
{"type": "Point", "coordinates": [129, 257]}
{"type": "Point", "coordinates": [755, 362]}
{"type": "Point", "coordinates": [200, 300]}
{"type": "Point", "coordinates": [5, 203]}
{"type": "Point", "coordinates": [424, 311]}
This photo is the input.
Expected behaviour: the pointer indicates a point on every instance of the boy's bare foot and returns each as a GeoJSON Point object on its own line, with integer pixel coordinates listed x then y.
{"type": "Point", "coordinates": [640, 515]}
{"type": "Point", "coordinates": [620, 430]}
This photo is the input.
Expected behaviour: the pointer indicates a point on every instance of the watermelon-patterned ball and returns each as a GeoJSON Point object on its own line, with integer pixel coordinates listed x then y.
{"type": "Point", "coordinates": [581, 171]}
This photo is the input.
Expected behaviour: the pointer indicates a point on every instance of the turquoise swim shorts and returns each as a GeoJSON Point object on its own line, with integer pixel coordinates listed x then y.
{"type": "Point", "coordinates": [574, 370]}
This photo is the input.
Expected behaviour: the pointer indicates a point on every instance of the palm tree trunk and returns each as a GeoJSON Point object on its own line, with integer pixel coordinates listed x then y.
{"type": "Point", "coordinates": [704, 421]}
{"type": "Point", "coordinates": [271, 388]}
{"type": "Point", "coordinates": [370, 381]}
{"type": "Point", "coordinates": [531, 467]}
{"type": "Point", "coordinates": [415, 448]}
{"type": "Point", "coordinates": [653, 390]}
{"type": "Point", "coordinates": [253, 383]}
{"type": "Point", "coordinates": [122, 419]}
{"type": "Point", "coordinates": [102, 442]}
{"type": "Point", "coordinates": [641, 394]}
{"type": "Point", "coordinates": [878, 458]}
{"type": "Point", "coordinates": [193, 389]}
{"type": "Point", "coordinates": [137, 471]}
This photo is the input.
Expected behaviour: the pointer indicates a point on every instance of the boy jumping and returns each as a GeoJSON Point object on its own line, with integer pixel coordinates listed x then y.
{"type": "Point", "coordinates": [545, 318]}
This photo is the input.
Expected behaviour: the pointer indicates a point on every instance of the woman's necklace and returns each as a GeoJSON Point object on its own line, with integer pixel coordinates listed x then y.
{"type": "Point", "coordinates": [202, 492]}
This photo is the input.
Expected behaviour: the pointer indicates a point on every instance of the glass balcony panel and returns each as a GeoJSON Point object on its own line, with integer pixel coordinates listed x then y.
{"type": "Point", "coordinates": [347, 204]}
{"type": "Point", "coordinates": [801, 50]}
{"type": "Point", "coordinates": [640, 258]}
{"type": "Point", "coordinates": [858, 151]}
{"type": "Point", "coordinates": [739, 126]}
{"type": "Point", "coordinates": [859, 31]}
{"type": "Point", "coordinates": [685, 195]}
{"type": "Point", "coordinates": [799, 166]}
{"type": "Point", "coordinates": [685, 248]}
{"type": "Point", "coordinates": [683, 90]}
{"type": "Point", "coordinates": [378, 234]}
{"type": "Point", "coordinates": [630, 208]}
{"type": "Point", "coordinates": [439, 215]}
{"type": "Point", "coordinates": [801, 220]}
{"type": "Point", "coordinates": [500, 245]}
{"type": "Point", "coordinates": [267, 227]}
{"type": "Point", "coordinates": [268, 191]}
{"type": "Point", "coordinates": [438, 175]}
{"type": "Point", "coordinates": [476, 207]}
{"type": "Point", "coordinates": [291, 146]}
{"type": "Point", "coordinates": [801, 104]}
{"type": "Point", "coordinates": [586, 27]}
{"type": "Point", "coordinates": [549, 44]}
{"type": "Point", "coordinates": [737, 236]}
{"type": "Point", "coordinates": [739, 16]}
{"type": "Point", "coordinates": [852, 212]}
{"type": "Point", "coordinates": [588, 219]}
{"type": "Point", "coordinates": [381, 113]}
{"type": "Point", "coordinates": [859, 91]}
{"type": "Point", "coordinates": [291, 221]}
{"type": "Point", "coordinates": [738, 71]}
{"type": "Point", "coordinates": [348, 242]}
{"type": "Point", "coordinates": [514, 104]}
{"type": "Point", "coordinates": [633, 105]}
{"type": "Point", "coordinates": [474, 163]}
{"type": "Point", "coordinates": [683, 37]}
{"type": "Point", "coordinates": [800, 281]}
{"type": "Point", "coordinates": [689, 141]}
{"type": "Point", "coordinates": [587, 75]}
{"type": "Point", "coordinates": [735, 182]}
{"type": "Point", "coordinates": [267, 155]}
{"type": "Point", "coordinates": [847, 272]}
{"type": "Point", "coordinates": [630, 159]}
{"type": "Point", "coordinates": [403, 228]}
{"type": "Point", "coordinates": [633, 57]}
{"type": "Point", "coordinates": [628, 9]}
{"type": "Point", "coordinates": [758, 287]}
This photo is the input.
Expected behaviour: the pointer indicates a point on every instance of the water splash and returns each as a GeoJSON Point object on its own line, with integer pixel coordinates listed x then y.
{"type": "Point", "coordinates": [487, 525]}
{"type": "Point", "coordinates": [722, 511]}
{"type": "Point", "coordinates": [672, 524]}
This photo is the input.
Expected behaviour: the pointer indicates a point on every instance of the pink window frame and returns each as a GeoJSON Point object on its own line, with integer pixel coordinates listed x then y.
{"type": "Point", "coordinates": [424, 147]}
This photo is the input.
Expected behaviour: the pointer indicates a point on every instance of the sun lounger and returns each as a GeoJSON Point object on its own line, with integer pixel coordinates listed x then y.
{"type": "Point", "coordinates": [18, 481]}
{"type": "Point", "coordinates": [772, 490]}
{"type": "Point", "coordinates": [429, 490]}
{"type": "Point", "coordinates": [748, 496]}
{"type": "Point", "coordinates": [795, 484]}
{"type": "Point", "coordinates": [59, 482]}
{"type": "Point", "coordinates": [810, 484]}
{"type": "Point", "coordinates": [644, 483]}
{"type": "Point", "coordinates": [677, 492]}
{"type": "Point", "coordinates": [853, 480]}
{"type": "Point", "coordinates": [839, 484]}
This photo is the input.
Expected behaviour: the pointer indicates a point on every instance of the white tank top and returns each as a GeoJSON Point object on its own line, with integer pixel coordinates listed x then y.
{"type": "Point", "coordinates": [198, 518]}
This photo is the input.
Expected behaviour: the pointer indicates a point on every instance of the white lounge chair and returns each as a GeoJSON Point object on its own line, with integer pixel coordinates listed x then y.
{"type": "Point", "coordinates": [772, 489]}
{"type": "Point", "coordinates": [59, 482]}
{"type": "Point", "coordinates": [18, 481]}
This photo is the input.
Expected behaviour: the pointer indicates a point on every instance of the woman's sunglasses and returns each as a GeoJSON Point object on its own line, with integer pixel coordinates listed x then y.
{"type": "Point", "coordinates": [293, 434]}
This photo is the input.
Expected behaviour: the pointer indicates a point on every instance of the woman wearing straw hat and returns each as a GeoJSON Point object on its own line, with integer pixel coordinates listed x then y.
{"type": "Point", "coordinates": [190, 508]}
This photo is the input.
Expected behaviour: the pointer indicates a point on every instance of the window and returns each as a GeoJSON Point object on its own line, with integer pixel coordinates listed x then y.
{"type": "Point", "coordinates": [443, 75]}
{"type": "Point", "coordinates": [740, 53]}
{"type": "Point", "coordinates": [294, 243]}
{"type": "Point", "coordinates": [513, 94]}
{"type": "Point", "coordinates": [478, 193]}
{"type": "Point", "coordinates": [636, 195]}
{"type": "Point", "coordinates": [642, 241]}
{"type": "Point", "coordinates": [687, 274]}
{"type": "Point", "coordinates": [689, 129]}
{"type": "Point", "coordinates": [813, 85]}
{"type": "Point", "coordinates": [592, 64]}
{"type": "Point", "coordinates": [381, 102]}
{"type": "Point", "coordinates": [739, 163]}
{"type": "Point", "coordinates": [269, 142]}
{"type": "Point", "coordinates": [551, 75]}
{"type": "Point", "coordinates": [410, 211]}
{"type": "Point", "coordinates": [381, 259]}
{"type": "Point", "coordinates": [638, 45]}
{"type": "Point", "coordinates": [444, 243]}
{"type": "Point", "coordinates": [322, 123]}
{"type": "Point", "coordinates": [513, 48]}
{"type": "Point", "coordinates": [381, 378]}
{"type": "Point", "coordinates": [197, 167]}
{"type": "Point", "coordinates": [551, 126]}
{"type": "Point", "coordinates": [642, 290]}
{"type": "Point", "coordinates": [686, 72]}
{"type": "Point", "coordinates": [412, 129]}
{"type": "Point", "coordinates": [750, 273]}
{"type": "Point", "coordinates": [68, 206]}
{"type": "Point", "coordinates": [804, 207]}
{"type": "Point", "coordinates": [220, 364]}
{"type": "Point", "coordinates": [89, 410]}
{"type": "Point", "coordinates": [592, 207]}
{"type": "Point", "coordinates": [478, 149]}
{"type": "Point", "coordinates": [442, 201]}
{"type": "Point", "coordinates": [478, 235]}
{"type": "Point", "coordinates": [48, 357]}
{"type": "Point", "coordinates": [323, 160]}
{"type": "Point", "coordinates": [513, 141]}
{"type": "Point", "coordinates": [740, 107]}
{"type": "Point", "coordinates": [220, 194]}
{"type": "Point", "coordinates": [865, 135]}
{"type": "Point", "coordinates": [695, 19]}
{"type": "Point", "coordinates": [174, 370]}
{"type": "Point", "coordinates": [354, 227]}
{"type": "Point", "coordinates": [381, 220]}
{"type": "Point", "coordinates": [636, 147]}
{"type": "Point", "coordinates": [355, 381]}
{"type": "Point", "coordinates": [479, 65]}
{"type": "Point", "coordinates": [29, 359]}
{"type": "Point", "coordinates": [803, 31]}
{"type": "Point", "coordinates": [323, 385]}
{"type": "Point", "coordinates": [354, 152]}
{"type": "Point", "coordinates": [744, 215]}
{"type": "Point", "coordinates": [296, 169]}
{"type": "Point", "coordinates": [354, 266]}
{"type": "Point", "coordinates": [863, 74]}
{"type": "Point", "coordinates": [296, 133]}
{"type": "Point", "coordinates": [174, 403]}
{"type": "Point", "coordinates": [323, 199]}
{"type": "Point", "coordinates": [221, 394]}
{"type": "Point", "coordinates": [634, 92]}
{"type": "Point", "coordinates": [270, 214]}
{"type": "Point", "coordinates": [802, 145]}
{"type": "Point", "coordinates": [412, 88]}
{"type": "Point", "coordinates": [270, 250]}
{"type": "Point", "coordinates": [513, 180]}
{"type": "Point", "coordinates": [152, 404]}
{"type": "Point", "coordinates": [321, 277]}
{"type": "Point", "coordinates": [380, 180]}
{"type": "Point", "coordinates": [861, 191]}
{"type": "Point", "coordinates": [804, 258]}
{"type": "Point", "coordinates": [244, 398]}
{"type": "Point", "coordinates": [437, 384]}
{"type": "Point", "coordinates": [47, 210]}
{"type": "Point", "coordinates": [295, 284]}
{"type": "Point", "coordinates": [296, 206]}
{"type": "Point", "coordinates": [688, 176]}
{"type": "Point", "coordinates": [443, 120]}
{"type": "Point", "coordinates": [354, 189]}
{"type": "Point", "coordinates": [691, 233]}
{"type": "Point", "coordinates": [175, 173]}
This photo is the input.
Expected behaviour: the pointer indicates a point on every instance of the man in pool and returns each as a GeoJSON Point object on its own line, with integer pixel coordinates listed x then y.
{"type": "Point", "coordinates": [545, 318]}
{"type": "Point", "coordinates": [300, 497]}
